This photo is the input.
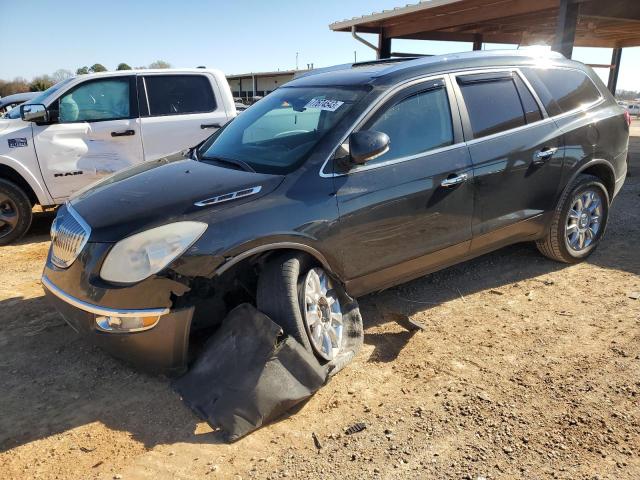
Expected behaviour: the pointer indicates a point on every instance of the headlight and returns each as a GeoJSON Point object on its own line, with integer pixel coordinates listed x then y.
{"type": "Point", "coordinates": [143, 254]}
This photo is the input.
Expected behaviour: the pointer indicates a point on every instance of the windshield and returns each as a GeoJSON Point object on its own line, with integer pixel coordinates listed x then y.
{"type": "Point", "coordinates": [277, 133]}
{"type": "Point", "coordinates": [54, 88]}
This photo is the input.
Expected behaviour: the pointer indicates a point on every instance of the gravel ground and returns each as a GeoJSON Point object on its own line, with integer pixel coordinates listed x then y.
{"type": "Point", "coordinates": [525, 369]}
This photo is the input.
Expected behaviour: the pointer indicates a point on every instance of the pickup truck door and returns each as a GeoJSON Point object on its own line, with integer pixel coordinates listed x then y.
{"type": "Point", "coordinates": [178, 111]}
{"type": "Point", "coordinates": [408, 211]}
{"type": "Point", "coordinates": [95, 132]}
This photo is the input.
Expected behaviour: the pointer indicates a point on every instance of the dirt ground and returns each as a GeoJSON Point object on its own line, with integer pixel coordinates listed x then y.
{"type": "Point", "coordinates": [527, 369]}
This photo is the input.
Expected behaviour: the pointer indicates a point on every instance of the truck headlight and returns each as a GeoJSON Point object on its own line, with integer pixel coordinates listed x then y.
{"type": "Point", "coordinates": [143, 254]}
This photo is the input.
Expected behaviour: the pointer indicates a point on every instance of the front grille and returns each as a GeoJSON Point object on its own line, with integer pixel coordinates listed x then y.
{"type": "Point", "coordinates": [69, 235]}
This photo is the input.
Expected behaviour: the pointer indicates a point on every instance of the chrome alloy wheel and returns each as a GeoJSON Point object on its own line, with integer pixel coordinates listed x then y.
{"type": "Point", "coordinates": [584, 219]}
{"type": "Point", "coordinates": [322, 314]}
{"type": "Point", "coordinates": [8, 215]}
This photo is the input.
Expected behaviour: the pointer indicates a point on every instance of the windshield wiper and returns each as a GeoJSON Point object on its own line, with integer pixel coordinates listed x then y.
{"type": "Point", "coordinates": [230, 161]}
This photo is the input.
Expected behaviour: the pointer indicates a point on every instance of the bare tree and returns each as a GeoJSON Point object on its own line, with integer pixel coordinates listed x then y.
{"type": "Point", "coordinates": [61, 74]}
{"type": "Point", "coordinates": [159, 64]}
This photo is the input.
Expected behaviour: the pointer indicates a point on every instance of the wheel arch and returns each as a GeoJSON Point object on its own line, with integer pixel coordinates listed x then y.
{"type": "Point", "coordinates": [26, 181]}
{"type": "Point", "coordinates": [275, 247]}
{"type": "Point", "coordinates": [599, 168]}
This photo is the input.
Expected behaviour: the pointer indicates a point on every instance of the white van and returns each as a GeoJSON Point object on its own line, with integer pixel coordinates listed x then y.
{"type": "Point", "coordinates": [90, 126]}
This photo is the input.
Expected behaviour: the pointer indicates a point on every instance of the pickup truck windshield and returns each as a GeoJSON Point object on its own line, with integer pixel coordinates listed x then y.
{"type": "Point", "coordinates": [276, 134]}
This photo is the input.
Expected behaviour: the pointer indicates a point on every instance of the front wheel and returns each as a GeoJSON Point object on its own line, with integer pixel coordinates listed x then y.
{"type": "Point", "coordinates": [15, 212]}
{"type": "Point", "coordinates": [578, 222]}
{"type": "Point", "coordinates": [305, 302]}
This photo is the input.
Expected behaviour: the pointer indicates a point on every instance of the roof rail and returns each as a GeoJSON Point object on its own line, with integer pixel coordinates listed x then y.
{"type": "Point", "coordinates": [383, 61]}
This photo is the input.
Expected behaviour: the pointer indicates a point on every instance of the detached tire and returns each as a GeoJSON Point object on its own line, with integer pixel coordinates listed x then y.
{"type": "Point", "coordinates": [579, 221]}
{"type": "Point", "coordinates": [15, 212]}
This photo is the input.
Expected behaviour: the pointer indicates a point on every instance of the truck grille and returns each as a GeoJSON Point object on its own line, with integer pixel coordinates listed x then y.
{"type": "Point", "coordinates": [69, 235]}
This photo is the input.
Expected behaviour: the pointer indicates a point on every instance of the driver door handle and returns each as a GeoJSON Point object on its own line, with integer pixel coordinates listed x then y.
{"type": "Point", "coordinates": [209, 125]}
{"type": "Point", "coordinates": [544, 155]}
{"type": "Point", "coordinates": [453, 181]}
{"type": "Point", "coordinates": [125, 133]}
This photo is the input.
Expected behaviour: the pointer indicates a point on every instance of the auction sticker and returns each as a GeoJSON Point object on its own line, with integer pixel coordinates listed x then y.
{"type": "Point", "coordinates": [324, 104]}
{"type": "Point", "coordinates": [17, 142]}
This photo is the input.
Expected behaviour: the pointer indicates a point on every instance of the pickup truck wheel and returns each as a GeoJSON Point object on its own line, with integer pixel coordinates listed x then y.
{"type": "Point", "coordinates": [15, 212]}
{"type": "Point", "coordinates": [304, 301]}
{"type": "Point", "coordinates": [579, 221]}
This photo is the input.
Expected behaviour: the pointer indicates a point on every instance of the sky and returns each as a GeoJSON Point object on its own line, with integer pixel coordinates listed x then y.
{"type": "Point", "coordinates": [235, 36]}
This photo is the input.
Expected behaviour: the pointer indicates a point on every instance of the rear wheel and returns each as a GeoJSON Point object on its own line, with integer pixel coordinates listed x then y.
{"type": "Point", "coordinates": [15, 212]}
{"type": "Point", "coordinates": [304, 301]}
{"type": "Point", "coordinates": [579, 221]}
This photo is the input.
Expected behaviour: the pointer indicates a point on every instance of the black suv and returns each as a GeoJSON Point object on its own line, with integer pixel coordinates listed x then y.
{"type": "Point", "coordinates": [345, 181]}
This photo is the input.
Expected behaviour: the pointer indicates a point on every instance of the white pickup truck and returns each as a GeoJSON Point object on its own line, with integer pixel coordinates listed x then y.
{"type": "Point", "coordinates": [90, 126]}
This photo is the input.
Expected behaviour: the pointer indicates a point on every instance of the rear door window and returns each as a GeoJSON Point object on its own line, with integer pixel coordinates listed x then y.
{"type": "Point", "coordinates": [179, 94]}
{"type": "Point", "coordinates": [562, 90]}
{"type": "Point", "coordinates": [415, 123]}
{"type": "Point", "coordinates": [493, 104]}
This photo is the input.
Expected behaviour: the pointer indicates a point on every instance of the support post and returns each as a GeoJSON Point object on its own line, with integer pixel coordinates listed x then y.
{"type": "Point", "coordinates": [566, 28]}
{"type": "Point", "coordinates": [384, 46]}
{"type": "Point", "coordinates": [477, 41]}
{"type": "Point", "coordinates": [616, 56]}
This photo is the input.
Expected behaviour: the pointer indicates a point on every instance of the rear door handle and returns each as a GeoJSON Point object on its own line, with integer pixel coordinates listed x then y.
{"type": "Point", "coordinates": [126, 133]}
{"type": "Point", "coordinates": [209, 125]}
{"type": "Point", "coordinates": [453, 181]}
{"type": "Point", "coordinates": [544, 155]}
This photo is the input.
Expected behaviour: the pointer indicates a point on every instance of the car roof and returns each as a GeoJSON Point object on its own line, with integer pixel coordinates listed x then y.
{"type": "Point", "coordinates": [17, 97]}
{"type": "Point", "coordinates": [390, 71]}
{"type": "Point", "coordinates": [148, 71]}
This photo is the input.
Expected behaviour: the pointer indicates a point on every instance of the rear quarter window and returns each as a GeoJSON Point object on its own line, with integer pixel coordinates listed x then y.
{"type": "Point", "coordinates": [562, 90]}
{"type": "Point", "coordinates": [179, 94]}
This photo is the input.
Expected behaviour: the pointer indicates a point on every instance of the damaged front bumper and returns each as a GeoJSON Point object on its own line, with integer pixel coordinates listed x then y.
{"type": "Point", "coordinates": [160, 347]}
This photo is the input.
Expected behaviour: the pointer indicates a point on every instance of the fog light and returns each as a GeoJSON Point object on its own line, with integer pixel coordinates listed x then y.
{"type": "Point", "coordinates": [126, 324]}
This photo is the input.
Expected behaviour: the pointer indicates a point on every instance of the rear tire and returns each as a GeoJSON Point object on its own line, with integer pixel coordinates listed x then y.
{"type": "Point", "coordinates": [15, 212]}
{"type": "Point", "coordinates": [579, 221]}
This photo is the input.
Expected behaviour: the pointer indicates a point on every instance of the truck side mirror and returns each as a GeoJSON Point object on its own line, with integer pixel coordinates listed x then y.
{"type": "Point", "coordinates": [366, 145]}
{"type": "Point", "coordinates": [34, 112]}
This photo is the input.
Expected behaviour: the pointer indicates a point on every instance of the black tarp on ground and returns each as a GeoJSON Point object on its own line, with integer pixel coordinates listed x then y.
{"type": "Point", "coordinates": [249, 374]}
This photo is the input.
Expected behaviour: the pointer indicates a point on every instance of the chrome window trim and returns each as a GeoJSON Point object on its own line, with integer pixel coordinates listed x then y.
{"type": "Point", "coordinates": [448, 75]}
{"type": "Point", "coordinates": [372, 109]}
{"type": "Point", "coordinates": [98, 310]}
{"type": "Point", "coordinates": [245, 192]}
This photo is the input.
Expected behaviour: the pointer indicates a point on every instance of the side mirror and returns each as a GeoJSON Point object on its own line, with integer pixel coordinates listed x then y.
{"type": "Point", "coordinates": [367, 145]}
{"type": "Point", "coordinates": [34, 112]}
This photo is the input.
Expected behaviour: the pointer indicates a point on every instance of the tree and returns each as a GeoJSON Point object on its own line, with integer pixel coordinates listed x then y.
{"type": "Point", "coordinates": [60, 75]}
{"type": "Point", "coordinates": [17, 85]}
{"type": "Point", "coordinates": [159, 64]}
{"type": "Point", "coordinates": [97, 67]}
{"type": "Point", "coordinates": [123, 66]}
{"type": "Point", "coordinates": [41, 83]}
{"type": "Point", "coordinates": [82, 70]}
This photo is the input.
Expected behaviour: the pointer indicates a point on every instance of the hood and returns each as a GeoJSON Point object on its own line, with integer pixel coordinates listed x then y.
{"type": "Point", "coordinates": [8, 125]}
{"type": "Point", "coordinates": [160, 192]}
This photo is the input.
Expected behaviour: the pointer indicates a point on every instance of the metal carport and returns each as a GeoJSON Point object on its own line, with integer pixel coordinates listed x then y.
{"type": "Point", "coordinates": [562, 24]}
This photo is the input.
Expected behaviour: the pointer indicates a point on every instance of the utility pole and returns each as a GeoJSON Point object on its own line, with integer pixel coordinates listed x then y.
{"type": "Point", "coordinates": [296, 60]}
{"type": "Point", "coordinates": [355, 57]}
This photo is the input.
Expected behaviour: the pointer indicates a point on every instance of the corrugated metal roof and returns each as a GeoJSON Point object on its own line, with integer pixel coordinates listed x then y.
{"type": "Point", "coordinates": [385, 14]}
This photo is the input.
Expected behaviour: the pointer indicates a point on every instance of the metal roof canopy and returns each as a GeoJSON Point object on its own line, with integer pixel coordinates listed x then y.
{"type": "Point", "coordinates": [560, 23]}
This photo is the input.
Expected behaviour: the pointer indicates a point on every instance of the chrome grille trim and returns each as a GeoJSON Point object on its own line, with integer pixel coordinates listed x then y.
{"type": "Point", "coordinates": [227, 197]}
{"type": "Point", "coordinates": [69, 235]}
